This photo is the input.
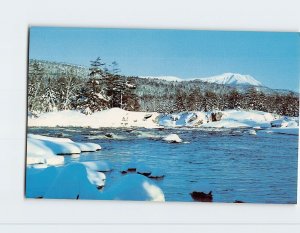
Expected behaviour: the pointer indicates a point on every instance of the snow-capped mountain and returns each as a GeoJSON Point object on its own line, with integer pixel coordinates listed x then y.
{"type": "Point", "coordinates": [231, 79]}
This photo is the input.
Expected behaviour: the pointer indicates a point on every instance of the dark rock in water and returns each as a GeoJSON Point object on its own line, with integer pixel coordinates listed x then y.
{"type": "Point", "coordinates": [100, 187]}
{"type": "Point", "coordinates": [59, 135]}
{"type": "Point", "coordinates": [216, 116]}
{"type": "Point", "coordinates": [109, 135]}
{"type": "Point", "coordinates": [237, 201]}
{"type": "Point", "coordinates": [131, 169]}
{"type": "Point", "coordinates": [202, 197]}
{"type": "Point", "coordinates": [157, 177]}
{"type": "Point", "coordinates": [144, 173]}
{"type": "Point", "coordinates": [123, 172]}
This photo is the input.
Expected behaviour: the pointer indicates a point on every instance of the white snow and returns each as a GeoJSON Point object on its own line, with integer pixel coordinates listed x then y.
{"type": "Point", "coordinates": [134, 187]}
{"type": "Point", "coordinates": [117, 117]}
{"type": "Point", "coordinates": [76, 181]}
{"type": "Point", "coordinates": [88, 146]}
{"type": "Point", "coordinates": [72, 182]}
{"type": "Point", "coordinates": [252, 132]}
{"type": "Point", "coordinates": [172, 138]}
{"type": "Point", "coordinates": [242, 118]}
{"type": "Point", "coordinates": [183, 119]}
{"type": "Point", "coordinates": [43, 149]}
{"type": "Point", "coordinates": [166, 78]}
{"type": "Point", "coordinates": [58, 146]}
{"type": "Point", "coordinates": [114, 117]}
{"type": "Point", "coordinates": [38, 152]}
{"type": "Point", "coordinates": [232, 79]}
{"type": "Point", "coordinates": [96, 178]}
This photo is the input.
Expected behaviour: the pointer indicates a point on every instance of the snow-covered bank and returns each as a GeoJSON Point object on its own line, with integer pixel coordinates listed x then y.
{"type": "Point", "coordinates": [47, 150]}
{"type": "Point", "coordinates": [116, 117]}
{"type": "Point", "coordinates": [241, 119]}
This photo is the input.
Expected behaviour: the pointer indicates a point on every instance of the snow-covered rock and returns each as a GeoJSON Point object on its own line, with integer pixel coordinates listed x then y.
{"type": "Point", "coordinates": [96, 178]}
{"type": "Point", "coordinates": [88, 146]}
{"type": "Point", "coordinates": [191, 119]}
{"type": "Point", "coordinates": [39, 152]}
{"type": "Point", "coordinates": [76, 181]}
{"type": "Point", "coordinates": [73, 182]}
{"type": "Point", "coordinates": [252, 132]}
{"type": "Point", "coordinates": [58, 146]}
{"type": "Point", "coordinates": [279, 123]}
{"type": "Point", "coordinates": [134, 187]}
{"type": "Point", "coordinates": [43, 149]}
{"type": "Point", "coordinates": [172, 138]}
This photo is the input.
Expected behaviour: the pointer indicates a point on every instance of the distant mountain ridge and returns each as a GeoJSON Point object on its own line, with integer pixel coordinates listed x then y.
{"type": "Point", "coordinates": [232, 79]}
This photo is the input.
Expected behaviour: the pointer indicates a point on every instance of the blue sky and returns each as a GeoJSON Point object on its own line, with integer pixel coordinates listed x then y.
{"type": "Point", "coordinates": [273, 58]}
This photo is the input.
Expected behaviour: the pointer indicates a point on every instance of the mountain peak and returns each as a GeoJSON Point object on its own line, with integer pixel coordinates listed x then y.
{"type": "Point", "coordinates": [232, 79]}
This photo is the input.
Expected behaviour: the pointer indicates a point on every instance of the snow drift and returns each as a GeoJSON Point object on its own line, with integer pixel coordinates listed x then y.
{"type": "Point", "coordinates": [76, 181]}
{"type": "Point", "coordinates": [43, 149]}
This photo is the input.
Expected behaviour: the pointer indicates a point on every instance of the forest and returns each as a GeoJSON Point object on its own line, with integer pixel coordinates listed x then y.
{"type": "Point", "coordinates": [54, 86]}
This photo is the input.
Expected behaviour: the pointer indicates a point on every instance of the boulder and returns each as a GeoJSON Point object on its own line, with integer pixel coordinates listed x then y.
{"type": "Point", "coordinates": [216, 116]}
{"type": "Point", "coordinates": [202, 197]}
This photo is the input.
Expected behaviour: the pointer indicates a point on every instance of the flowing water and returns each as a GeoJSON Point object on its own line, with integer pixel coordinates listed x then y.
{"type": "Point", "coordinates": [258, 168]}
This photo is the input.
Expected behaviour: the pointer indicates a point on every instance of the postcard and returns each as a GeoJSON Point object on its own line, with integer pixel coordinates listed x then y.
{"type": "Point", "coordinates": [162, 115]}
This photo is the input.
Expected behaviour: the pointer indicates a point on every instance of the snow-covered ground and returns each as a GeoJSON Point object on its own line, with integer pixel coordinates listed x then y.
{"type": "Point", "coordinates": [116, 117]}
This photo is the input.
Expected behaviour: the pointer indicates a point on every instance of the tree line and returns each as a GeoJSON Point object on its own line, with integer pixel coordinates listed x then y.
{"type": "Point", "coordinates": [102, 88]}
{"type": "Point", "coordinates": [56, 86]}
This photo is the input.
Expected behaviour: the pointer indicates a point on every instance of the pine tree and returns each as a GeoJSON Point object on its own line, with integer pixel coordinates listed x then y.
{"type": "Point", "coordinates": [92, 97]}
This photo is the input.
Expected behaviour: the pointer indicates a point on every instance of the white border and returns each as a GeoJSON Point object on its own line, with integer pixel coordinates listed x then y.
{"type": "Point", "coordinates": [15, 18]}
